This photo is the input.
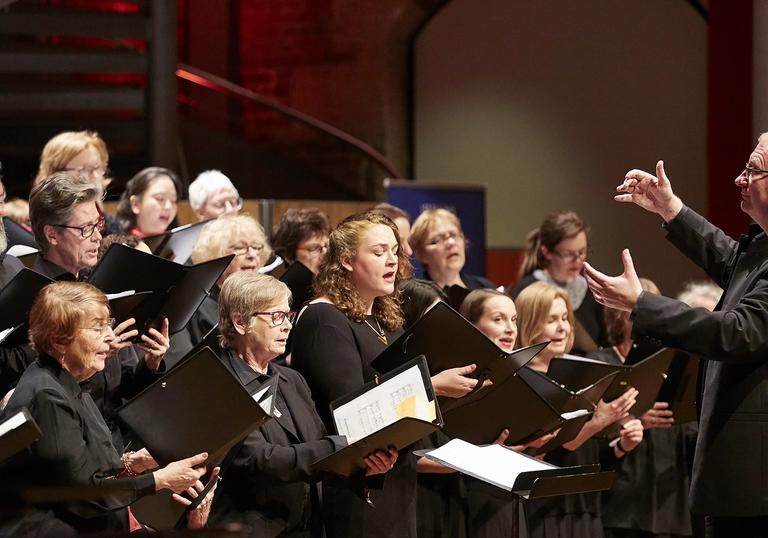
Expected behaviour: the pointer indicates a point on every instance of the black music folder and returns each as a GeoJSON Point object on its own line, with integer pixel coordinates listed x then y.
{"type": "Point", "coordinates": [396, 411]}
{"type": "Point", "coordinates": [679, 387]}
{"type": "Point", "coordinates": [16, 299]}
{"type": "Point", "coordinates": [298, 277]}
{"type": "Point", "coordinates": [513, 473]}
{"type": "Point", "coordinates": [17, 432]}
{"type": "Point", "coordinates": [448, 340]}
{"type": "Point", "coordinates": [511, 403]}
{"type": "Point", "coordinates": [18, 234]}
{"type": "Point", "coordinates": [176, 244]}
{"type": "Point", "coordinates": [204, 408]}
{"type": "Point", "coordinates": [646, 376]}
{"type": "Point", "coordinates": [198, 406]}
{"type": "Point", "coordinates": [177, 290]}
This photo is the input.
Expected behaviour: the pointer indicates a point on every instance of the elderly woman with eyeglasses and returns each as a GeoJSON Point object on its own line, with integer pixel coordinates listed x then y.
{"type": "Point", "coordinates": [439, 245]}
{"type": "Point", "coordinates": [555, 254]}
{"type": "Point", "coordinates": [270, 487]}
{"type": "Point", "coordinates": [70, 327]}
{"type": "Point", "coordinates": [212, 195]}
{"type": "Point", "coordinates": [240, 235]}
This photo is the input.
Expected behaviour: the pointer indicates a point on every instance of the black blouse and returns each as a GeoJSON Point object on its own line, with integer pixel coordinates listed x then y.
{"type": "Point", "coordinates": [334, 355]}
{"type": "Point", "coordinates": [76, 438]}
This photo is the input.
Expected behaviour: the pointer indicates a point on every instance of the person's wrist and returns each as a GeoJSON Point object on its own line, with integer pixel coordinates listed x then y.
{"type": "Point", "coordinates": [672, 210]}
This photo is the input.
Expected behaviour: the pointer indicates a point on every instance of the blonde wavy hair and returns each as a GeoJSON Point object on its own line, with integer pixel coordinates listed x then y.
{"type": "Point", "coordinates": [63, 147]}
{"type": "Point", "coordinates": [334, 282]}
{"type": "Point", "coordinates": [533, 306]}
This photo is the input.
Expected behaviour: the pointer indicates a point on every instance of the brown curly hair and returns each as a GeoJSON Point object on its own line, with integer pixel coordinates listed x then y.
{"type": "Point", "coordinates": [333, 280]}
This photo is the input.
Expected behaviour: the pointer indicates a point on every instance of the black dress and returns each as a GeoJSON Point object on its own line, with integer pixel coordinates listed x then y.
{"type": "Point", "coordinates": [268, 485]}
{"type": "Point", "coordinates": [76, 439]}
{"type": "Point", "coordinates": [334, 355]}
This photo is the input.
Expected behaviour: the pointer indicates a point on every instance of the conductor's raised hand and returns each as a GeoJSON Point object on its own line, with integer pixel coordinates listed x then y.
{"type": "Point", "coordinates": [652, 193]}
{"type": "Point", "coordinates": [619, 292]}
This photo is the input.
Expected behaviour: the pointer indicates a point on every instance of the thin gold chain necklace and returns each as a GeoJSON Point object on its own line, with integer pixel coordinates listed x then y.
{"type": "Point", "coordinates": [380, 334]}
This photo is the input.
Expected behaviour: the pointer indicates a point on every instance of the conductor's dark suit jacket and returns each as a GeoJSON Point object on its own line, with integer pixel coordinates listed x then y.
{"type": "Point", "coordinates": [730, 470]}
{"type": "Point", "coordinates": [268, 484]}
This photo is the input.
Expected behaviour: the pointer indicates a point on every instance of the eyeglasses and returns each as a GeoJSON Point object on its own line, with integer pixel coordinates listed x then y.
{"type": "Point", "coordinates": [750, 173]}
{"type": "Point", "coordinates": [278, 317]}
{"type": "Point", "coordinates": [86, 230]}
{"type": "Point", "coordinates": [314, 249]}
{"type": "Point", "coordinates": [440, 240]}
{"type": "Point", "coordinates": [571, 256]}
{"type": "Point", "coordinates": [241, 249]}
{"type": "Point", "coordinates": [99, 171]}
{"type": "Point", "coordinates": [234, 203]}
{"type": "Point", "coordinates": [103, 329]}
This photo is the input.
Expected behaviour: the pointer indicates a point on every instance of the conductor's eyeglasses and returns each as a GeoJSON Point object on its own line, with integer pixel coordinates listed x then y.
{"type": "Point", "coordinates": [753, 173]}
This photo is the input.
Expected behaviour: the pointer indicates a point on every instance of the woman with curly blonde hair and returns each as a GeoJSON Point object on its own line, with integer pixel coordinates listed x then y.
{"type": "Point", "coordinates": [354, 316]}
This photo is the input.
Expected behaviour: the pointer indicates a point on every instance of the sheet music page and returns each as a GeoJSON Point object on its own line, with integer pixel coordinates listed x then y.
{"type": "Point", "coordinates": [12, 423]}
{"type": "Point", "coordinates": [494, 464]}
{"type": "Point", "coordinates": [401, 396]}
{"type": "Point", "coordinates": [120, 294]}
{"type": "Point", "coordinates": [6, 332]}
{"type": "Point", "coordinates": [575, 414]}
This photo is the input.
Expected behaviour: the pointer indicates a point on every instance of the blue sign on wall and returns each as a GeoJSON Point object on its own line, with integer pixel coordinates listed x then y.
{"type": "Point", "coordinates": [468, 202]}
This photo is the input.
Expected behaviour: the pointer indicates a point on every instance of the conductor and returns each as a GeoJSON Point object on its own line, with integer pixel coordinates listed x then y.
{"type": "Point", "coordinates": [729, 485]}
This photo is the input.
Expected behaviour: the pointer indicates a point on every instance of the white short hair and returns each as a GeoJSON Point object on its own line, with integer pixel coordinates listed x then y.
{"type": "Point", "coordinates": [205, 184]}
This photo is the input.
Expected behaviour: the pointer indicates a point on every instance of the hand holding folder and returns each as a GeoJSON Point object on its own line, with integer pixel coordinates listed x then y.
{"type": "Point", "coordinates": [395, 412]}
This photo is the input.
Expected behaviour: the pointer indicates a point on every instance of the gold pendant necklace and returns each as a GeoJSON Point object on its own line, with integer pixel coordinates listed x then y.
{"type": "Point", "coordinates": [380, 334]}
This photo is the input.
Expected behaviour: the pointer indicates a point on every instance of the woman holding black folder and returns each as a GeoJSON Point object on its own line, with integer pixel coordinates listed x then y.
{"type": "Point", "coordinates": [354, 316]}
{"type": "Point", "coordinates": [545, 314]}
{"type": "Point", "coordinates": [69, 325]}
{"type": "Point", "coordinates": [270, 487]}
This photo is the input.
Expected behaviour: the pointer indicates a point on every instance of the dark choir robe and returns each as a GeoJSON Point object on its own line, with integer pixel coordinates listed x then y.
{"type": "Point", "coordinates": [334, 355]}
{"type": "Point", "coordinates": [473, 282]}
{"type": "Point", "coordinates": [13, 359]}
{"type": "Point", "coordinates": [731, 460]}
{"type": "Point", "coordinates": [650, 496]}
{"type": "Point", "coordinates": [125, 373]}
{"type": "Point", "coordinates": [268, 485]}
{"type": "Point", "coordinates": [76, 438]}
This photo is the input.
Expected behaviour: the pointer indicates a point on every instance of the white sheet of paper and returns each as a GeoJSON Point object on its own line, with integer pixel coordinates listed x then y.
{"type": "Point", "coordinates": [12, 423]}
{"type": "Point", "coordinates": [120, 294]}
{"type": "Point", "coordinates": [21, 250]}
{"type": "Point", "coordinates": [575, 414]}
{"type": "Point", "coordinates": [401, 396]}
{"type": "Point", "coordinates": [5, 332]}
{"type": "Point", "coordinates": [494, 464]}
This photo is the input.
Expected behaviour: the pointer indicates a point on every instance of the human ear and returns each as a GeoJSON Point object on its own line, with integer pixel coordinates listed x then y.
{"type": "Point", "coordinates": [240, 326]}
{"type": "Point", "coordinates": [346, 262]}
